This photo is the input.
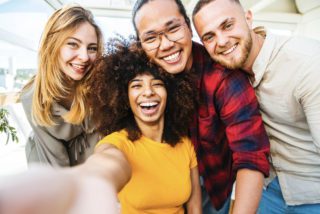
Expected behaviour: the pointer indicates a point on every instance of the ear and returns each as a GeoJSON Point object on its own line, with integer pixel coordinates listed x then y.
{"type": "Point", "coordinates": [248, 16]}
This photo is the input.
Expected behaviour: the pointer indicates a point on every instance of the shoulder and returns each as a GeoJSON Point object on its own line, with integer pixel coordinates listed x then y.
{"type": "Point", "coordinates": [118, 135]}
{"type": "Point", "coordinates": [27, 94]}
{"type": "Point", "coordinates": [115, 138]}
{"type": "Point", "coordinates": [189, 150]}
{"type": "Point", "coordinates": [298, 53]}
{"type": "Point", "coordinates": [219, 77]}
{"type": "Point", "coordinates": [185, 145]}
{"type": "Point", "coordinates": [300, 47]}
{"type": "Point", "coordinates": [202, 61]}
{"type": "Point", "coordinates": [187, 142]}
{"type": "Point", "coordinates": [25, 97]}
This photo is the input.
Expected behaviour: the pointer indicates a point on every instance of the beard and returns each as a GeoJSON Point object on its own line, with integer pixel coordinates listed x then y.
{"type": "Point", "coordinates": [237, 63]}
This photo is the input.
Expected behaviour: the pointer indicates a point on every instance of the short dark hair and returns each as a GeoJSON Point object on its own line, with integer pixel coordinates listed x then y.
{"type": "Point", "coordinates": [140, 3]}
{"type": "Point", "coordinates": [123, 61]}
{"type": "Point", "coordinates": [201, 3]}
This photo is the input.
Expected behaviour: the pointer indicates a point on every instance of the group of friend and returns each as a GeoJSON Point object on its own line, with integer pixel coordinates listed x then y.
{"type": "Point", "coordinates": [167, 125]}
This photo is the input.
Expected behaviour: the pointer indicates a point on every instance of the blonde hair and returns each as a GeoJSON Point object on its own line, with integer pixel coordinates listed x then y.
{"type": "Point", "coordinates": [50, 84]}
{"type": "Point", "coordinates": [260, 30]}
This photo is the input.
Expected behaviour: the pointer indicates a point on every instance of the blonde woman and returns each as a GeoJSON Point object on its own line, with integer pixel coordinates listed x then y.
{"type": "Point", "coordinates": [55, 100]}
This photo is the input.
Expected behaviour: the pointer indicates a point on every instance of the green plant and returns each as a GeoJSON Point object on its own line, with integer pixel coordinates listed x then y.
{"type": "Point", "coordinates": [6, 128]}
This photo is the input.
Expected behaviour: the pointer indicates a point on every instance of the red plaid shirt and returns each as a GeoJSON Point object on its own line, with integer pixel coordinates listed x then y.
{"type": "Point", "coordinates": [228, 132]}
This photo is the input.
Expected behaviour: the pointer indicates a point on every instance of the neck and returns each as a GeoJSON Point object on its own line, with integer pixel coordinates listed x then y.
{"type": "Point", "coordinates": [257, 42]}
{"type": "Point", "coordinates": [189, 63]}
{"type": "Point", "coordinates": [152, 131]}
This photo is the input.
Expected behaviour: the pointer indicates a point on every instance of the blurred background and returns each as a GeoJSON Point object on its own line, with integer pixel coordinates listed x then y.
{"type": "Point", "coordinates": [22, 22]}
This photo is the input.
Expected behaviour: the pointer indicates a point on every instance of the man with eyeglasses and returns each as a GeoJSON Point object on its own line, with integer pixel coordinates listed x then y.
{"type": "Point", "coordinates": [228, 133]}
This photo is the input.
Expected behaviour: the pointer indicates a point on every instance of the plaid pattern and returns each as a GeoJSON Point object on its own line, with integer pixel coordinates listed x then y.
{"type": "Point", "coordinates": [227, 132]}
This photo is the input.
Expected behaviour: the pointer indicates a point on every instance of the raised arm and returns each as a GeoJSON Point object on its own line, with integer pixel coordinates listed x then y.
{"type": "Point", "coordinates": [109, 163]}
{"type": "Point", "coordinates": [88, 188]}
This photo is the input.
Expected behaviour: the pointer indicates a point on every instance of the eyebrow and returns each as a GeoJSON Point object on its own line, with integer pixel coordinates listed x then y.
{"type": "Point", "coordinates": [74, 39]}
{"type": "Point", "coordinates": [78, 40]}
{"type": "Point", "coordinates": [226, 20]}
{"type": "Point", "coordinates": [135, 80]}
{"type": "Point", "coordinates": [207, 33]}
{"type": "Point", "coordinates": [140, 80]}
{"type": "Point", "coordinates": [170, 22]}
{"type": "Point", "coordinates": [221, 24]}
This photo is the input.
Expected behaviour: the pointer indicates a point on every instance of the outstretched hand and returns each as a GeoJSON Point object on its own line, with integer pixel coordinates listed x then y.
{"type": "Point", "coordinates": [44, 190]}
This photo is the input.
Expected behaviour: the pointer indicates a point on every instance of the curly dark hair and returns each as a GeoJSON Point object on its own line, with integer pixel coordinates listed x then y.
{"type": "Point", "coordinates": [122, 62]}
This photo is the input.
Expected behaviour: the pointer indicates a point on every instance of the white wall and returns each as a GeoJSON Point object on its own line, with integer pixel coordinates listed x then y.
{"type": "Point", "coordinates": [310, 24]}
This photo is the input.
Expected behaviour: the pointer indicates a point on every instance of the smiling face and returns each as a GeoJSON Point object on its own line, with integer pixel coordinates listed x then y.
{"type": "Point", "coordinates": [147, 99]}
{"type": "Point", "coordinates": [78, 52]}
{"type": "Point", "coordinates": [224, 29]}
{"type": "Point", "coordinates": [163, 16]}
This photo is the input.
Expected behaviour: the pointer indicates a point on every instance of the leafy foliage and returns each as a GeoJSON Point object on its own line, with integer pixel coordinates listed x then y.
{"type": "Point", "coordinates": [6, 128]}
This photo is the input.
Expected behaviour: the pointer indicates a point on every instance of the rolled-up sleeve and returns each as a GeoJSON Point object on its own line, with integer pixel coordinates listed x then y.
{"type": "Point", "coordinates": [239, 111]}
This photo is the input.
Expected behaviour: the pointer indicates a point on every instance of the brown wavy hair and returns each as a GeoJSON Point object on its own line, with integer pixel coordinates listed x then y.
{"type": "Point", "coordinates": [123, 61]}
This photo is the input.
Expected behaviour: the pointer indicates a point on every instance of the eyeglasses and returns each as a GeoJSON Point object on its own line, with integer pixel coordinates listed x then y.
{"type": "Point", "coordinates": [152, 41]}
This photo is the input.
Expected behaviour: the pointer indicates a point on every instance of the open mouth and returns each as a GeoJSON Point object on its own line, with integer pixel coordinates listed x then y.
{"type": "Point", "coordinates": [78, 68]}
{"type": "Point", "coordinates": [173, 58]}
{"type": "Point", "coordinates": [149, 108]}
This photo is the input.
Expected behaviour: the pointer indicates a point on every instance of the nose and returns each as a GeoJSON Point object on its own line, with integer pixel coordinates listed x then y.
{"type": "Point", "coordinates": [148, 91]}
{"type": "Point", "coordinates": [165, 43]}
{"type": "Point", "coordinates": [221, 40]}
{"type": "Point", "coordinates": [83, 54]}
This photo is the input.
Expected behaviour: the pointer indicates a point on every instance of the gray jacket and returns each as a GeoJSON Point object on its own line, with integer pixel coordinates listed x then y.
{"type": "Point", "coordinates": [64, 144]}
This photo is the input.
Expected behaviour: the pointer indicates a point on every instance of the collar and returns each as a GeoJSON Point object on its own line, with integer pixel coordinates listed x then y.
{"type": "Point", "coordinates": [260, 64]}
{"type": "Point", "coordinates": [58, 110]}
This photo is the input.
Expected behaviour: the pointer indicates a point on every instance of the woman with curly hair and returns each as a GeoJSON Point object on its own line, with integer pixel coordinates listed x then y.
{"type": "Point", "coordinates": [146, 155]}
{"type": "Point", "coordinates": [145, 113]}
{"type": "Point", "coordinates": [55, 100]}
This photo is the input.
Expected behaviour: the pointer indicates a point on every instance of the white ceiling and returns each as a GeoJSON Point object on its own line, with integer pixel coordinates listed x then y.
{"type": "Point", "coordinates": [22, 21]}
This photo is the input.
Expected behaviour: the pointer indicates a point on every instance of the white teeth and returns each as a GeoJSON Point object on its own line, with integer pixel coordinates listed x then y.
{"type": "Point", "coordinates": [148, 104]}
{"type": "Point", "coordinates": [230, 50]}
{"type": "Point", "coordinates": [172, 57]}
{"type": "Point", "coordinates": [78, 66]}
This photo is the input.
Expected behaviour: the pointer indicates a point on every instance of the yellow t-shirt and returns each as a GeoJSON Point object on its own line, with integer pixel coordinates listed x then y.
{"type": "Point", "coordinates": [160, 181]}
